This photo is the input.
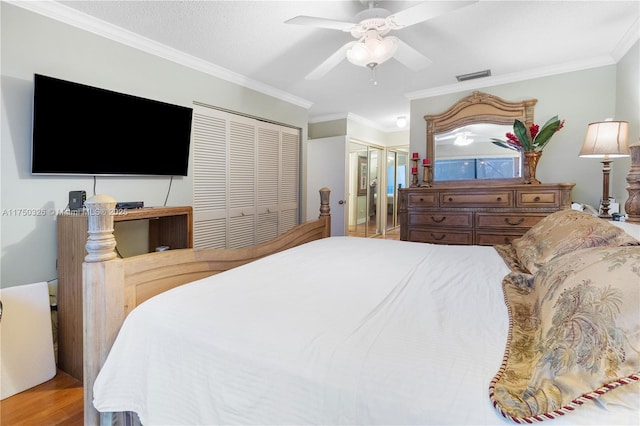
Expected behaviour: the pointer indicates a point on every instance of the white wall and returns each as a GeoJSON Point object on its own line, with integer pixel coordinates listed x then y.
{"type": "Point", "coordinates": [32, 43]}
{"type": "Point", "coordinates": [578, 97]}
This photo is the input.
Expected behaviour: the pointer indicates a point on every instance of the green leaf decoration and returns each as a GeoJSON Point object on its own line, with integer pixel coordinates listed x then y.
{"type": "Point", "coordinates": [547, 130]}
{"type": "Point", "coordinates": [504, 144]}
{"type": "Point", "coordinates": [520, 130]}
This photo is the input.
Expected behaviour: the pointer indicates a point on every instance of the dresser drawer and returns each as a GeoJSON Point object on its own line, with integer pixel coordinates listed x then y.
{"type": "Point", "coordinates": [488, 238]}
{"type": "Point", "coordinates": [476, 199]}
{"type": "Point", "coordinates": [429, 199]}
{"type": "Point", "coordinates": [538, 198]}
{"type": "Point", "coordinates": [507, 220]}
{"type": "Point", "coordinates": [482, 213]}
{"type": "Point", "coordinates": [437, 236]}
{"type": "Point", "coordinates": [449, 219]}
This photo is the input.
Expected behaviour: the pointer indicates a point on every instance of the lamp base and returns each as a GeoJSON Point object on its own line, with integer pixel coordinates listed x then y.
{"type": "Point", "coordinates": [606, 169]}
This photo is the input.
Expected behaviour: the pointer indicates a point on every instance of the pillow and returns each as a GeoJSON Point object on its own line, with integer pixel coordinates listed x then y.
{"type": "Point", "coordinates": [510, 257]}
{"type": "Point", "coordinates": [574, 335]}
{"type": "Point", "coordinates": [565, 231]}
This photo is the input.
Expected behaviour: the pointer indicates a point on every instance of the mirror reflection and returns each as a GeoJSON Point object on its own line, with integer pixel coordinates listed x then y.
{"type": "Point", "coordinates": [468, 153]}
{"type": "Point", "coordinates": [459, 140]}
{"type": "Point", "coordinates": [397, 177]}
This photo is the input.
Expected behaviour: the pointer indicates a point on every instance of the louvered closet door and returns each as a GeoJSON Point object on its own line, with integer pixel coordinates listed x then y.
{"type": "Point", "coordinates": [268, 168]}
{"type": "Point", "coordinates": [242, 182]}
{"type": "Point", "coordinates": [210, 135]}
{"type": "Point", "coordinates": [289, 189]}
{"type": "Point", "coordinates": [253, 195]}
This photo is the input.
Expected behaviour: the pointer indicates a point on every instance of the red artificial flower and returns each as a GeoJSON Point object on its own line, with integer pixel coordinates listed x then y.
{"type": "Point", "coordinates": [534, 129]}
{"type": "Point", "coordinates": [513, 138]}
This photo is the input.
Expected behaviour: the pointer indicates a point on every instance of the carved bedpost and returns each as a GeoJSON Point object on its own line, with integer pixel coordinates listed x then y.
{"type": "Point", "coordinates": [325, 209]}
{"type": "Point", "coordinates": [103, 298]}
{"type": "Point", "coordinates": [632, 205]}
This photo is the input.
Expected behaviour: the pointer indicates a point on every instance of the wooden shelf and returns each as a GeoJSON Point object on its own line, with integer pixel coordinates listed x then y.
{"type": "Point", "coordinates": [168, 226]}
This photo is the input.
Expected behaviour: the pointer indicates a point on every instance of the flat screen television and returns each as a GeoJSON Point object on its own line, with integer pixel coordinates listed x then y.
{"type": "Point", "coordinates": [84, 130]}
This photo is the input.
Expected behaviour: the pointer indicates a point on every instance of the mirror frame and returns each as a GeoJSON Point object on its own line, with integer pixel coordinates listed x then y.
{"type": "Point", "coordinates": [478, 107]}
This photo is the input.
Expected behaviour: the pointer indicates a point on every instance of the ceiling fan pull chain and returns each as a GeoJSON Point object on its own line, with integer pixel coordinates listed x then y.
{"type": "Point", "coordinates": [372, 66]}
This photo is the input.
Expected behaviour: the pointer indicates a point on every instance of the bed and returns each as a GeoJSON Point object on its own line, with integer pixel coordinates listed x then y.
{"type": "Point", "coordinates": [345, 330]}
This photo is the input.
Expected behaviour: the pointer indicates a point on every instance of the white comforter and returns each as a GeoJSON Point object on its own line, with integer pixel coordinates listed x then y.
{"type": "Point", "coordinates": [338, 331]}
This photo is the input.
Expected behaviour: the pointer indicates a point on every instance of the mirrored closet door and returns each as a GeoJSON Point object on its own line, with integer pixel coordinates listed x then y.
{"type": "Point", "coordinates": [397, 177]}
{"type": "Point", "coordinates": [365, 193]}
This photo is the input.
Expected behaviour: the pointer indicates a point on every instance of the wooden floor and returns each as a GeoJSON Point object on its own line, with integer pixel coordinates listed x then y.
{"type": "Point", "coordinates": [369, 229]}
{"type": "Point", "coordinates": [58, 401]}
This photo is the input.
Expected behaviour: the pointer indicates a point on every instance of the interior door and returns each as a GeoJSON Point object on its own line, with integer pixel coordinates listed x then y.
{"type": "Point", "coordinates": [326, 167]}
{"type": "Point", "coordinates": [366, 182]}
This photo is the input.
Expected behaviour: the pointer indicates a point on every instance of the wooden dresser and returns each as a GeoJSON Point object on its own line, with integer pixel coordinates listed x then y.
{"type": "Point", "coordinates": [487, 214]}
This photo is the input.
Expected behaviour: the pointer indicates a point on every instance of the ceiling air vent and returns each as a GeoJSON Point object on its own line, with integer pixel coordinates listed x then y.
{"type": "Point", "coordinates": [473, 75]}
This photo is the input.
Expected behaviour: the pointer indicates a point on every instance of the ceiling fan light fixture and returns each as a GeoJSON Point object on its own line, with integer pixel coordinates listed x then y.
{"type": "Point", "coordinates": [384, 49]}
{"type": "Point", "coordinates": [373, 49]}
{"type": "Point", "coordinates": [358, 54]}
{"type": "Point", "coordinates": [462, 139]}
{"type": "Point", "coordinates": [370, 28]}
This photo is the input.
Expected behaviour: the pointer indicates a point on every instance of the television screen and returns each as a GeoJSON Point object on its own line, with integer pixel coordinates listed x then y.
{"type": "Point", "coordinates": [79, 129]}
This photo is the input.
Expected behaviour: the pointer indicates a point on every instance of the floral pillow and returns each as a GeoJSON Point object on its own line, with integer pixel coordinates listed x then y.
{"type": "Point", "coordinates": [574, 335]}
{"type": "Point", "coordinates": [563, 232]}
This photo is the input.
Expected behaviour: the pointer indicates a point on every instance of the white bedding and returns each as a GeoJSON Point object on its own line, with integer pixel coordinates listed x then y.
{"type": "Point", "coordinates": [338, 331]}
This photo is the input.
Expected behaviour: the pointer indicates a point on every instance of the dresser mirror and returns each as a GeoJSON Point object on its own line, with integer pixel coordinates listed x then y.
{"type": "Point", "coordinates": [459, 140]}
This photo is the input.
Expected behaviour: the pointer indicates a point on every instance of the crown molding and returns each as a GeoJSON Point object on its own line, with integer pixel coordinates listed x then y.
{"type": "Point", "coordinates": [627, 41]}
{"type": "Point", "coordinates": [70, 16]}
{"type": "Point", "coordinates": [512, 78]}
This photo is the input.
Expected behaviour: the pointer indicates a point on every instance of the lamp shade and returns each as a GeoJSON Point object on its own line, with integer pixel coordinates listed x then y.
{"type": "Point", "coordinates": [606, 139]}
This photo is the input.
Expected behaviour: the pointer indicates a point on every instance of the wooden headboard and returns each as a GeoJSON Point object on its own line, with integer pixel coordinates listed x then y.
{"type": "Point", "coordinates": [112, 286]}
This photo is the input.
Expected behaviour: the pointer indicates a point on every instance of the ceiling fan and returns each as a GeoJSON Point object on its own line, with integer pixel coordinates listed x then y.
{"type": "Point", "coordinates": [371, 48]}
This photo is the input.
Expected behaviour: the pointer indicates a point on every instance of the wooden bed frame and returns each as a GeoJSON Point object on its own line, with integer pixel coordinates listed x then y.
{"type": "Point", "coordinates": [112, 286]}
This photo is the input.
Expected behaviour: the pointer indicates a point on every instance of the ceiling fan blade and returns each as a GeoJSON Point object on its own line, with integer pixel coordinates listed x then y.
{"type": "Point", "coordinates": [410, 57]}
{"type": "Point", "coordinates": [424, 11]}
{"type": "Point", "coordinates": [321, 23]}
{"type": "Point", "coordinates": [329, 63]}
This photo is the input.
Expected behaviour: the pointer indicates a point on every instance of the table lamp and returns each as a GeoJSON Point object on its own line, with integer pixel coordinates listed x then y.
{"type": "Point", "coordinates": [606, 139]}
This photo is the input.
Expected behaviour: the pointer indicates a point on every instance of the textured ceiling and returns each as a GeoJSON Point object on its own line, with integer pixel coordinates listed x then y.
{"type": "Point", "coordinates": [250, 40]}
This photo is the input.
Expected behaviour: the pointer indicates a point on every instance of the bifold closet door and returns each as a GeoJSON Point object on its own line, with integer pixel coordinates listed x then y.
{"type": "Point", "coordinates": [245, 179]}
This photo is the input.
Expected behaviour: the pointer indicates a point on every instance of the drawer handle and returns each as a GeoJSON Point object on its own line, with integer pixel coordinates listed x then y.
{"type": "Point", "coordinates": [442, 219]}
{"type": "Point", "coordinates": [450, 198]}
{"type": "Point", "coordinates": [508, 222]}
{"type": "Point", "coordinates": [499, 199]}
{"type": "Point", "coordinates": [438, 238]}
{"type": "Point", "coordinates": [536, 199]}
{"type": "Point", "coordinates": [421, 199]}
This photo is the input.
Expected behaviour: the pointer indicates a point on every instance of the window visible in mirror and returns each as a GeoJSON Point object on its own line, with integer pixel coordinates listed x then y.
{"type": "Point", "coordinates": [468, 152]}
{"type": "Point", "coordinates": [477, 168]}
